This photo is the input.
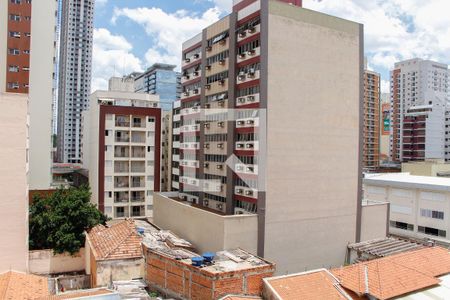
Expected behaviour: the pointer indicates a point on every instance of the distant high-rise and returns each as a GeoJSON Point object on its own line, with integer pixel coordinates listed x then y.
{"type": "Point", "coordinates": [371, 131]}
{"type": "Point", "coordinates": [160, 79]}
{"type": "Point", "coordinates": [418, 86]}
{"type": "Point", "coordinates": [74, 75]}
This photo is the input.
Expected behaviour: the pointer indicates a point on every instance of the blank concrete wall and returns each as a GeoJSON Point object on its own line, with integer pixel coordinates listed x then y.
{"type": "Point", "coordinates": [45, 262]}
{"type": "Point", "coordinates": [206, 230]}
{"type": "Point", "coordinates": [374, 221]}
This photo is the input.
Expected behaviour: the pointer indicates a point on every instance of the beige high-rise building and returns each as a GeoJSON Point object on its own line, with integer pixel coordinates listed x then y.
{"type": "Point", "coordinates": [385, 126]}
{"type": "Point", "coordinates": [266, 132]}
{"type": "Point", "coordinates": [371, 131]}
{"type": "Point", "coordinates": [13, 182]}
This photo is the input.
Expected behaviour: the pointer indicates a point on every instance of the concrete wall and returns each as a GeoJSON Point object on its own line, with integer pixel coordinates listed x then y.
{"type": "Point", "coordinates": [41, 93]}
{"type": "Point", "coordinates": [45, 262]}
{"type": "Point", "coordinates": [313, 137]}
{"type": "Point", "coordinates": [425, 168]}
{"type": "Point", "coordinates": [374, 220]}
{"type": "Point", "coordinates": [13, 182]}
{"type": "Point", "coordinates": [113, 270]}
{"type": "Point", "coordinates": [207, 231]}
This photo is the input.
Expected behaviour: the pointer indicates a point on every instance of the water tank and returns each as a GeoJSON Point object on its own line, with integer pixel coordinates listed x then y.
{"type": "Point", "coordinates": [197, 261]}
{"type": "Point", "coordinates": [209, 256]}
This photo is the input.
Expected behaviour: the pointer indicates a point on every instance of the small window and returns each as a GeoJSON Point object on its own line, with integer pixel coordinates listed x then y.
{"type": "Point", "coordinates": [151, 120]}
{"type": "Point", "coordinates": [106, 132]}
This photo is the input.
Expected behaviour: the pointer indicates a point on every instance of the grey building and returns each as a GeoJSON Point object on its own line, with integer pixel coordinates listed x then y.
{"type": "Point", "coordinates": [74, 75]}
{"type": "Point", "coordinates": [160, 79]}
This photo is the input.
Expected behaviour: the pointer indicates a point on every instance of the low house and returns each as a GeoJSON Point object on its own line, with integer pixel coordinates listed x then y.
{"type": "Point", "coordinates": [114, 253]}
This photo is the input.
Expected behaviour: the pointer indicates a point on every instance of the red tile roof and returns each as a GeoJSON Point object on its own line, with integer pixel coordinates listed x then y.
{"type": "Point", "coordinates": [120, 241]}
{"type": "Point", "coordinates": [18, 286]}
{"type": "Point", "coordinates": [314, 285]}
{"type": "Point", "coordinates": [396, 275]}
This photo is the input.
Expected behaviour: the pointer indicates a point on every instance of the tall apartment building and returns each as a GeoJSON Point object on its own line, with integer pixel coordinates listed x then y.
{"type": "Point", "coordinates": [371, 132]}
{"type": "Point", "coordinates": [26, 66]}
{"type": "Point", "coordinates": [14, 126]}
{"type": "Point", "coordinates": [284, 144]}
{"type": "Point", "coordinates": [385, 126]}
{"type": "Point", "coordinates": [175, 147]}
{"type": "Point", "coordinates": [162, 80]}
{"type": "Point", "coordinates": [121, 149]}
{"type": "Point", "coordinates": [15, 53]}
{"type": "Point", "coordinates": [74, 75]}
{"type": "Point", "coordinates": [417, 83]}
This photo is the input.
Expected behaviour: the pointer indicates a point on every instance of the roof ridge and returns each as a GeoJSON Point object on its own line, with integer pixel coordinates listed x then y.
{"type": "Point", "coordinates": [124, 239]}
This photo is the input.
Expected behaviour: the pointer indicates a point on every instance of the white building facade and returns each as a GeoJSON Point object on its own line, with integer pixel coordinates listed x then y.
{"type": "Point", "coordinates": [121, 150]}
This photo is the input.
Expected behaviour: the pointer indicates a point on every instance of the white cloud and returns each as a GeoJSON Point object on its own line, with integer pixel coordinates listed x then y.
{"type": "Point", "coordinates": [167, 30]}
{"type": "Point", "coordinates": [396, 29]}
{"type": "Point", "coordinates": [111, 56]}
{"type": "Point", "coordinates": [101, 2]}
{"type": "Point", "coordinates": [385, 86]}
{"type": "Point", "coordinates": [223, 5]}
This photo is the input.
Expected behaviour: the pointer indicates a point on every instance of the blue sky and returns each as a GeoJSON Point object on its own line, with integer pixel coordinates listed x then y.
{"type": "Point", "coordinates": [131, 35]}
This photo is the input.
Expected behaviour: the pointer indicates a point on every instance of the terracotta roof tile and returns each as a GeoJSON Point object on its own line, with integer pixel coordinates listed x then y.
{"type": "Point", "coordinates": [315, 285]}
{"type": "Point", "coordinates": [18, 286]}
{"type": "Point", "coordinates": [120, 241]}
{"type": "Point", "coordinates": [396, 275]}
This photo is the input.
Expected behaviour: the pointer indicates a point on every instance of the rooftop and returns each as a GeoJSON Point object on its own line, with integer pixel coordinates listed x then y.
{"type": "Point", "coordinates": [15, 285]}
{"type": "Point", "coordinates": [317, 284]}
{"type": "Point", "coordinates": [76, 294]}
{"type": "Point", "coordinates": [396, 275]}
{"type": "Point", "coordinates": [385, 246]}
{"type": "Point", "coordinates": [407, 180]}
{"type": "Point", "coordinates": [119, 241]}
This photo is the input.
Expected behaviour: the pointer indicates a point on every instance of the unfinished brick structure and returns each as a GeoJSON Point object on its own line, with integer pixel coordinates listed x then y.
{"type": "Point", "coordinates": [233, 272]}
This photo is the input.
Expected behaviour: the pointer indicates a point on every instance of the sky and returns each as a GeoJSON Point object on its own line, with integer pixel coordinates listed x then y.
{"type": "Point", "coordinates": [131, 35]}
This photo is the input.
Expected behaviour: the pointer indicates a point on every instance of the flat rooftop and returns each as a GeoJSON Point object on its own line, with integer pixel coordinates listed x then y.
{"type": "Point", "coordinates": [408, 180]}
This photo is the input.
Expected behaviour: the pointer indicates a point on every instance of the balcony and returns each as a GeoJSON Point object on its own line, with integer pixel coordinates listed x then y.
{"type": "Point", "coordinates": [138, 152]}
{"type": "Point", "coordinates": [138, 211]}
{"type": "Point", "coordinates": [249, 76]}
{"type": "Point", "coordinates": [138, 137]}
{"type": "Point", "coordinates": [191, 59]}
{"type": "Point", "coordinates": [121, 197]}
{"type": "Point", "coordinates": [137, 167]}
{"type": "Point", "coordinates": [249, 33]}
{"type": "Point", "coordinates": [122, 137]}
{"type": "Point", "coordinates": [137, 196]}
{"type": "Point", "coordinates": [246, 123]}
{"type": "Point", "coordinates": [122, 121]}
{"type": "Point", "coordinates": [121, 152]}
{"type": "Point", "coordinates": [190, 76]}
{"type": "Point", "coordinates": [121, 182]}
{"type": "Point", "coordinates": [247, 146]}
{"type": "Point", "coordinates": [248, 55]}
{"type": "Point", "coordinates": [190, 128]}
{"type": "Point", "coordinates": [138, 123]}
{"type": "Point", "coordinates": [121, 167]}
{"type": "Point", "coordinates": [244, 100]}
{"type": "Point", "coordinates": [137, 181]}
{"type": "Point", "coordinates": [190, 146]}
{"type": "Point", "coordinates": [190, 111]}
{"type": "Point", "coordinates": [246, 169]}
{"type": "Point", "coordinates": [191, 93]}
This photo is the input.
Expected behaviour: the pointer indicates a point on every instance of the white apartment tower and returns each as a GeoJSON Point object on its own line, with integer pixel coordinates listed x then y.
{"type": "Point", "coordinates": [417, 84]}
{"type": "Point", "coordinates": [74, 75]}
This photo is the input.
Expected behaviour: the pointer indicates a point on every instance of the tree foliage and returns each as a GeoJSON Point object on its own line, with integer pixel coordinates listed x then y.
{"type": "Point", "coordinates": [59, 221]}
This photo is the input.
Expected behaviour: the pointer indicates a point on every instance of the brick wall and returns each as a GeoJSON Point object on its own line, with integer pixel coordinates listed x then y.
{"type": "Point", "coordinates": [180, 280]}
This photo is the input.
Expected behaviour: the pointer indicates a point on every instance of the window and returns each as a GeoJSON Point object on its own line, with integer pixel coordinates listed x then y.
{"type": "Point", "coordinates": [15, 1]}
{"type": "Point", "coordinates": [13, 85]}
{"type": "Point", "coordinates": [26, 51]}
{"type": "Point", "coordinates": [25, 68]}
{"type": "Point", "coordinates": [13, 51]}
{"type": "Point", "coordinates": [402, 225]}
{"type": "Point", "coordinates": [151, 120]}
{"type": "Point", "coordinates": [434, 214]}
{"type": "Point", "coordinates": [106, 132]}
{"type": "Point", "coordinates": [14, 34]}
{"type": "Point", "coordinates": [432, 231]}
{"type": "Point", "coordinates": [14, 17]}
{"type": "Point", "coordinates": [13, 69]}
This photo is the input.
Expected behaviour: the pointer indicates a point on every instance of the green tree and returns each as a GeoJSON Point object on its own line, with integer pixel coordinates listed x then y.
{"type": "Point", "coordinates": [59, 221]}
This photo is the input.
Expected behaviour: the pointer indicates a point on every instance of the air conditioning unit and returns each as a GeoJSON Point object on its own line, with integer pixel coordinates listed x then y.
{"type": "Point", "coordinates": [193, 181]}
{"type": "Point", "coordinates": [221, 124]}
{"type": "Point", "coordinates": [208, 67]}
{"type": "Point", "coordinates": [196, 56]}
{"type": "Point", "coordinates": [220, 146]}
{"type": "Point", "coordinates": [251, 52]}
{"type": "Point", "coordinates": [251, 98]}
{"type": "Point", "coordinates": [186, 76]}
{"type": "Point", "coordinates": [206, 125]}
{"type": "Point", "coordinates": [242, 55]}
{"type": "Point", "coordinates": [218, 188]}
{"type": "Point", "coordinates": [207, 105]}
{"type": "Point", "coordinates": [239, 191]}
{"type": "Point", "coordinates": [206, 165]}
{"type": "Point", "coordinates": [187, 60]}
{"type": "Point", "coordinates": [249, 193]}
{"type": "Point", "coordinates": [251, 30]}
{"type": "Point", "coordinates": [242, 34]}
{"type": "Point", "coordinates": [250, 145]}
{"type": "Point", "coordinates": [186, 93]}
{"type": "Point", "coordinates": [191, 200]}
{"type": "Point", "coordinates": [205, 202]}
{"type": "Point", "coordinates": [196, 91]}
{"type": "Point", "coordinates": [240, 145]}
{"type": "Point", "coordinates": [239, 168]}
{"type": "Point", "coordinates": [196, 73]}
{"type": "Point", "coordinates": [219, 167]}
{"type": "Point", "coordinates": [208, 48]}
{"type": "Point", "coordinates": [250, 169]}
{"type": "Point", "coordinates": [183, 197]}
{"type": "Point", "coordinates": [206, 146]}
{"type": "Point", "coordinates": [241, 122]}
{"type": "Point", "coordinates": [219, 206]}
{"type": "Point", "coordinates": [239, 211]}
{"type": "Point", "coordinates": [222, 62]}
{"type": "Point", "coordinates": [221, 103]}
{"type": "Point", "coordinates": [250, 122]}
{"type": "Point", "coordinates": [207, 86]}
{"type": "Point", "coordinates": [241, 100]}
